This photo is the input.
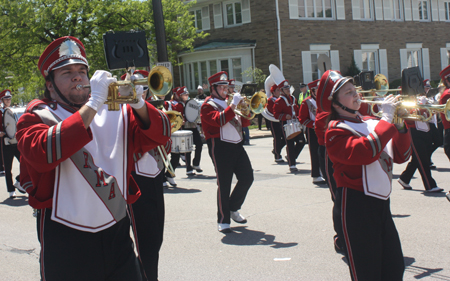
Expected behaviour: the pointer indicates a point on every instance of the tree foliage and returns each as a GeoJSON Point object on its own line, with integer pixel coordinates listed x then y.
{"type": "Point", "coordinates": [28, 26]}
{"type": "Point", "coordinates": [257, 76]}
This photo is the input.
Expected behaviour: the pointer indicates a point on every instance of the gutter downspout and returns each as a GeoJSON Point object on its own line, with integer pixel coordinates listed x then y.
{"type": "Point", "coordinates": [279, 35]}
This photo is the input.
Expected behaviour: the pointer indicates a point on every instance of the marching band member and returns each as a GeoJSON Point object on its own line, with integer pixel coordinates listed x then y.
{"type": "Point", "coordinates": [147, 213]}
{"type": "Point", "coordinates": [307, 117]}
{"type": "Point", "coordinates": [80, 164]}
{"type": "Point", "coordinates": [363, 150]}
{"type": "Point", "coordinates": [445, 76]}
{"type": "Point", "coordinates": [245, 130]}
{"type": "Point", "coordinates": [223, 133]}
{"type": "Point", "coordinates": [285, 108]}
{"type": "Point", "coordinates": [422, 148]}
{"type": "Point", "coordinates": [179, 98]}
{"type": "Point", "coordinates": [9, 150]}
{"type": "Point", "coordinates": [276, 129]}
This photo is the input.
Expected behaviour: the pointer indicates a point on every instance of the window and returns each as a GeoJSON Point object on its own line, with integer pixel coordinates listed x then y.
{"type": "Point", "coordinates": [197, 18]}
{"type": "Point", "coordinates": [447, 10]}
{"type": "Point", "coordinates": [315, 9]}
{"type": "Point", "coordinates": [197, 73]}
{"type": "Point", "coordinates": [413, 58]}
{"type": "Point", "coordinates": [201, 18]}
{"type": "Point", "coordinates": [237, 69]}
{"type": "Point", "coordinates": [369, 59]}
{"type": "Point", "coordinates": [236, 12]}
{"type": "Point", "coordinates": [316, 73]}
{"type": "Point", "coordinates": [423, 10]}
{"type": "Point", "coordinates": [366, 7]}
{"type": "Point", "coordinates": [396, 9]}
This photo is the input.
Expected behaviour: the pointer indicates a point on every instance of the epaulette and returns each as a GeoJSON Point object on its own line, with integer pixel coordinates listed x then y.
{"type": "Point", "coordinates": [333, 124]}
{"type": "Point", "coordinates": [36, 103]}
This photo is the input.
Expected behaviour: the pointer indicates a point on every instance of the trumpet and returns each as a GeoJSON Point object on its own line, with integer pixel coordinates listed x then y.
{"type": "Point", "coordinates": [159, 82]}
{"type": "Point", "coordinates": [250, 106]}
{"type": "Point", "coordinates": [430, 109]}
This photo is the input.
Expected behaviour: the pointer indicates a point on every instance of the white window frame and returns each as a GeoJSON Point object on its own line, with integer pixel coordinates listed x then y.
{"type": "Point", "coordinates": [446, 12]}
{"type": "Point", "coordinates": [333, 11]}
{"type": "Point", "coordinates": [400, 5]}
{"type": "Point", "coordinates": [445, 56]}
{"type": "Point", "coordinates": [381, 65]}
{"type": "Point", "coordinates": [428, 14]}
{"type": "Point", "coordinates": [423, 58]}
{"type": "Point", "coordinates": [189, 77]}
{"type": "Point", "coordinates": [245, 12]}
{"type": "Point", "coordinates": [317, 49]}
{"type": "Point", "coordinates": [371, 11]}
{"type": "Point", "coordinates": [204, 18]}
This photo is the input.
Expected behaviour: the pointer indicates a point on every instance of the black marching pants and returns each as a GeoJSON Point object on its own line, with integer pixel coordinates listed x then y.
{"type": "Point", "coordinates": [422, 149]}
{"type": "Point", "coordinates": [9, 152]}
{"type": "Point", "coordinates": [437, 135]}
{"type": "Point", "coordinates": [73, 255]}
{"type": "Point", "coordinates": [229, 159]}
{"type": "Point", "coordinates": [313, 152]}
{"type": "Point", "coordinates": [374, 251]}
{"type": "Point", "coordinates": [147, 215]}
{"type": "Point", "coordinates": [278, 139]}
{"type": "Point", "coordinates": [198, 147]}
{"type": "Point", "coordinates": [294, 145]}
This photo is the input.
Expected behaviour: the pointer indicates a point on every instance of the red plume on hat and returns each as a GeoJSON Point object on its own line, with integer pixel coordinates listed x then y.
{"type": "Point", "coordinates": [5, 94]}
{"type": "Point", "coordinates": [329, 84]}
{"type": "Point", "coordinates": [63, 51]}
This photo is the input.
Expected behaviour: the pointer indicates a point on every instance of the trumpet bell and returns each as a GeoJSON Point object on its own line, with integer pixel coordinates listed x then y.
{"type": "Point", "coordinates": [160, 81]}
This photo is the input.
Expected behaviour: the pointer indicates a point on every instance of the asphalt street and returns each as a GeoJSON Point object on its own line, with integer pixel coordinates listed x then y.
{"type": "Point", "coordinates": [288, 235]}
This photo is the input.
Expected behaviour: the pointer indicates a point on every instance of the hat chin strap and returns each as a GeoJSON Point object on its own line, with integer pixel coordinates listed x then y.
{"type": "Point", "coordinates": [216, 94]}
{"type": "Point", "coordinates": [352, 111]}
{"type": "Point", "coordinates": [63, 97]}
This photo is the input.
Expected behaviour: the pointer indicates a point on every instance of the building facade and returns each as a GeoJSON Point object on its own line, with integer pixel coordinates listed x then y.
{"type": "Point", "coordinates": [385, 36]}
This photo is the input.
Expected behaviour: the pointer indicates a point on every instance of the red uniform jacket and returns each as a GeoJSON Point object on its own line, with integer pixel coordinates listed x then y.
{"type": "Point", "coordinates": [32, 136]}
{"type": "Point", "coordinates": [212, 119]}
{"type": "Point", "coordinates": [303, 116]}
{"type": "Point", "coordinates": [271, 104]}
{"type": "Point", "coordinates": [320, 125]}
{"type": "Point", "coordinates": [349, 152]}
{"type": "Point", "coordinates": [443, 100]}
{"type": "Point", "coordinates": [281, 109]}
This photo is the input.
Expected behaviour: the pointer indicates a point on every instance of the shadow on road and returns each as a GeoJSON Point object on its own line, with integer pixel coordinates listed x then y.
{"type": "Point", "coordinates": [423, 272]}
{"type": "Point", "coordinates": [201, 177]}
{"type": "Point", "coordinates": [241, 236]}
{"type": "Point", "coordinates": [442, 169]}
{"type": "Point", "coordinates": [21, 200]}
{"type": "Point", "coordinates": [180, 190]}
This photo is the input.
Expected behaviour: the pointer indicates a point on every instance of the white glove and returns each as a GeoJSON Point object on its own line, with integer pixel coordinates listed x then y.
{"type": "Point", "coordinates": [236, 99]}
{"type": "Point", "coordinates": [389, 106]}
{"type": "Point", "coordinates": [99, 89]}
{"type": "Point", "coordinates": [422, 100]}
{"type": "Point", "coordinates": [139, 93]}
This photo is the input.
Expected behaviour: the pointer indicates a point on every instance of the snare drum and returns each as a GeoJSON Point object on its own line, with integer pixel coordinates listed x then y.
{"type": "Point", "coordinates": [182, 141]}
{"type": "Point", "coordinates": [292, 129]}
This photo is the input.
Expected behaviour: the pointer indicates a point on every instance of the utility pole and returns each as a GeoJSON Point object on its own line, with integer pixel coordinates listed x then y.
{"type": "Point", "coordinates": [160, 31]}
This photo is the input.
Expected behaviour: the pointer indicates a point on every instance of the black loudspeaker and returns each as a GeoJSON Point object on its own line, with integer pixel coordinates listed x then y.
{"type": "Point", "coordinates": [412, 81]}
{"type": "Point", "coordinates": [248, 89]}
{"type": "Point", "coordinates": [125, 49]}
{"type": "Point", "coordinates": [366, 80]}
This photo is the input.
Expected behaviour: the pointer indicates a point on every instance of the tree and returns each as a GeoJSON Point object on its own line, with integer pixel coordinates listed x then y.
{"type": "Point", "coordinates": [257, 76]}
{"type": "Point", "coordinates": [28, 26]}
{"type": "Point", "coordinates": [353, 69]}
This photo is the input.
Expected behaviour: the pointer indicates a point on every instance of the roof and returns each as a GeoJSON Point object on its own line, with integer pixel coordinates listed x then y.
{"type": "Point", "coordinates": [218, 45]}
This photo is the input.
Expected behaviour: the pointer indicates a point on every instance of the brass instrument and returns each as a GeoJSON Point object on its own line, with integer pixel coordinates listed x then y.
{"type": "Point", "coordinates": [429, 108]}
{"type": "Point", "coordinates": [381, 87]}
{"type": "Point", "coordinates": [159, 81]}
{"type": "Point", "coordinates": [250, 106]}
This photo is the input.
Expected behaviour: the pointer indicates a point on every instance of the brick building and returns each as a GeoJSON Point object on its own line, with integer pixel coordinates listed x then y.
{"type": "Point", "coordinates": [381, 35]}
